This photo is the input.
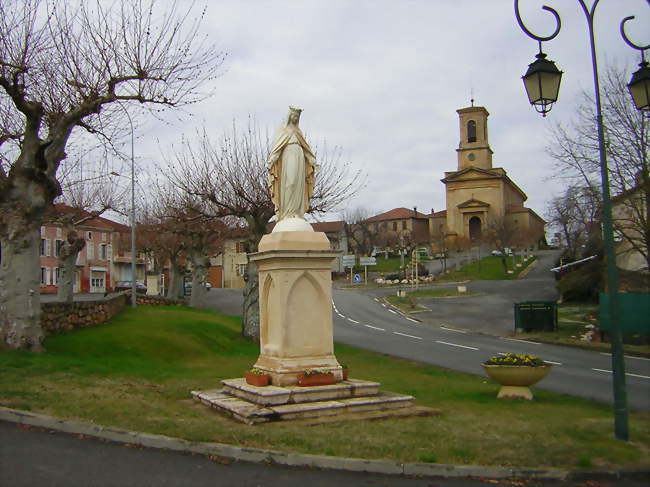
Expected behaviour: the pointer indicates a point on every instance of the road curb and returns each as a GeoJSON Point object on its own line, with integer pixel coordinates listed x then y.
{"type": "Point", "coordinates": [256, 455]}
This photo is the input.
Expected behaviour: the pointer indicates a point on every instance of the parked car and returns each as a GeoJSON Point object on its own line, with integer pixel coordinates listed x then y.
{"type": "Point", "coordinates": [498, 253]}
{"type": "Point", "coordinates": [188, 287]}
{"type": "Point", "coordinates": [140, 288]}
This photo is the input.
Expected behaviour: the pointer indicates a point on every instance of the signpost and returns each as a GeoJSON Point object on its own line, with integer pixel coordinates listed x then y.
{"type": "Point", "coordinates": [365, 262]}
{"type": "Point", "coordinates": [349, 261]}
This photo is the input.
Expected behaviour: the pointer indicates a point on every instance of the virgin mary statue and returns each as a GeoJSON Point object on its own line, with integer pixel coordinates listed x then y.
{"type": "Point", "coordinates": [292, 173]}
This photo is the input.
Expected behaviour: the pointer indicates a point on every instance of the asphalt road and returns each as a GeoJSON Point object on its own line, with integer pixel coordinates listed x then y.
{"type": "Point", "coordinates": [460, 333]}
{"type": "Point", "coordinates": [38, 458]}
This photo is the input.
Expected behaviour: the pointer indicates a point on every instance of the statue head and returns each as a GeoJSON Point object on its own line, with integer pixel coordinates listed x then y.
{"type": "Point", "coordinates": [294, 116]}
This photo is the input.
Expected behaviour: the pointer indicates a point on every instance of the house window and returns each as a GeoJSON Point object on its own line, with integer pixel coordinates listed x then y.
{"type": "Point", "coordinates": [59, 232]}
{"type": "Point", "coordinates": [103, 252]}
{"type": "Point", "coordinates": [58, 244]}
{"type": "Point", "coordinates": [404, 225]}
{"type": "Point", "coordinates": [89, 236]}
{"type": "Point", "coordinates": [56, 276]}
{"type": "Point", "coordinates": [240, 247]}
{"type": "Point", "coordinates": [471, 131]}
{"type": "Point", "coordinates": [42, 248]}
{"type": "Point", "coordinates": [241, 269]}
{"type": "Point", "coordinates": [43, 276]}
{"type": "Point", "coordinates": [394, 225]}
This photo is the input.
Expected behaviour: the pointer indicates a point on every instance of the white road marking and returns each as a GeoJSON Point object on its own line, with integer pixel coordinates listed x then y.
{"type": "Point", "coordinates": [452, 329]}
{"type": "Point", "coordinates": [353, 321]}
{"type": "Point", "coordinates": [383, 304]}
{"type": "Point", "coordinates": [627, 373]}
{"type": "Point", "coordinates": [374, 327]}
{"type": "Point", "coordinates": [456, 345]}
{"type": "Point", "coordinates": [393, 311]}
{"type": "Point", "coordinates": [376, 299]}
{"type": "Point", "coordinates": [405, 335]}
{"type": "Point", "coordinates": [340, 315]}
{"type": "Point", "coordinates": [627, 356]}
{"type": "Point", "coordinates": [522, 341]}
{"type": "Point", "coordinates": [411, 319]}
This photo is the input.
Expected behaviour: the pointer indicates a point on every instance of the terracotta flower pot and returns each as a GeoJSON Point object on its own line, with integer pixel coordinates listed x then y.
{"type": "Point", "coordinates": [516, 379]}
{"type": "Point", "coordinates": [259, 380]}
{"type": "Point", "coordinates": [316, 379]}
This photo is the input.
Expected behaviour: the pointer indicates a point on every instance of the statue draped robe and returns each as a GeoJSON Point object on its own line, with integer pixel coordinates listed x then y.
{"type": "Point", "coordinates": [292, 171]}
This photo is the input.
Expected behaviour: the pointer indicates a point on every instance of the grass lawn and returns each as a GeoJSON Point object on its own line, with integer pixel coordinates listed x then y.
{"type": "Point", "coordinates": [137, 371]}
{"type": "Point", "coordinates": [490, 269]}
{"type": "Point", "coordinates": [409, 303]}
{"type": "Point", "coordinates": [573, 322]}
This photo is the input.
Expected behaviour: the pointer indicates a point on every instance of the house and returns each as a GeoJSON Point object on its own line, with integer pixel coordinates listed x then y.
{"type": "Point", "coordinates": [632, 226]}
{"type": "Point", "coordinates": [338, 237]}
{"type": "Point", "coordinates": [399, 227]}
{"type": "Point", "coordinates": [99, 264]}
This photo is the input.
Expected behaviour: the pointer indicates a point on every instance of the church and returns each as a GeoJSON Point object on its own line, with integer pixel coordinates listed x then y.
{"type": "Point", "coordinates": [483, 203]}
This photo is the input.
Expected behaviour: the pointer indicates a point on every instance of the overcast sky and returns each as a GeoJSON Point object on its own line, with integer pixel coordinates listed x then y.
{"type": "Point", "coordinates": [383, 80]}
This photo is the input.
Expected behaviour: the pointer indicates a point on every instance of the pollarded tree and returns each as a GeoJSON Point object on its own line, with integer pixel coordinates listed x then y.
{"type": "Point", "coordinates": [231, 176]}
{"type": "Point", "coordinates": [575, 149]}
{"type": "Point", "coordinates": [66, 66]}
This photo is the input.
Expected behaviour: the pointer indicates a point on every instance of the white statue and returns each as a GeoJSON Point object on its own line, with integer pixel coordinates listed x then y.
{"type": "Point", "coordinates": [292, 174]}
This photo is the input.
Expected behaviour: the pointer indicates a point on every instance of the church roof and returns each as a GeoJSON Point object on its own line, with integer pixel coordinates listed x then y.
{"type": "Point", "coordinates": [397, 214]}
{"type": "Point", "coordinates": [523, 209]}
{"type": "Point", "coordinates": [494, 173]}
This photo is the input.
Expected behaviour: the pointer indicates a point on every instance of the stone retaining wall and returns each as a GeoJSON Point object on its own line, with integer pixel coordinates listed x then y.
{"type": "Point", "coordinates": [146, 300]}
{"type": "Point", "coordinates": [63, 317]}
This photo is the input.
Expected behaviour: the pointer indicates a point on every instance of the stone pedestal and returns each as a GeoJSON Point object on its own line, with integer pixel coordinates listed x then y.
{"type": "Point", "coordinates": [295, 287]}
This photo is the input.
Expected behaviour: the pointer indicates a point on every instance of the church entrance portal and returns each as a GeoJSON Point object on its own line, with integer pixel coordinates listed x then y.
{"type": "Point", "coordinates": [474, 228]}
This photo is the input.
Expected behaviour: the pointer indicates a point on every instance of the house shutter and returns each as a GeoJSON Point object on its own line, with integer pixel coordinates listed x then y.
{"type": "Point", "coordinates": [90, 252]}
{"type": "Point", "coordinates": [110, 252]}
{"type": "Point", "coordinates": [48, 276]}
{"type": "Point", "coordinates": [48, 247]}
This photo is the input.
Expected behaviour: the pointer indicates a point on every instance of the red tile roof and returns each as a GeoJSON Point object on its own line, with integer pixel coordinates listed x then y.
{"type": "Point", "coordinates": [397, 214]}
{"type": "Point", "coordinates": [328, 226]}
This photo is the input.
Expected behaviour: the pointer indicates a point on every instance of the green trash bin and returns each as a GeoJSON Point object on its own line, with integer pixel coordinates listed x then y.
{"type": "Point", "coordinates": [536, 316]}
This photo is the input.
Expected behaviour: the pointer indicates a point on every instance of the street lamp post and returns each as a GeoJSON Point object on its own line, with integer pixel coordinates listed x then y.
{"type": "Point", "coordinates": [542, 84]}
{"type": "Point", "coordinates": [133, 277]}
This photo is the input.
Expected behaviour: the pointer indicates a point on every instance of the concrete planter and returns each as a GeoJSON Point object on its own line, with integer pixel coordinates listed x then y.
{"type": "Point", "coordinates": [515, 380]}
{"type": "Point", "coordinates": [259, 380]}
{"type": "Point", "coordinates": [316, 380]}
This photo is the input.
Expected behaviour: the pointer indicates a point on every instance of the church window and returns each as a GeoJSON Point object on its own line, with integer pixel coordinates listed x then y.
{"type": "Point", "coordinates": [471, 131]}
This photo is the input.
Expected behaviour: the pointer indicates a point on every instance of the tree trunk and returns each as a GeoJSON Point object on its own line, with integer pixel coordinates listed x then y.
{"type": "Point", "coordinates": [175, 288]}
{"type": "Point", "coordinates": [200, 265]}
{"type": "Point", "coordinates": [251, 308]}
{"type": "Point", "coordinates": [20, 307]}
{"type": "Point", "coordinates": [67, 266]}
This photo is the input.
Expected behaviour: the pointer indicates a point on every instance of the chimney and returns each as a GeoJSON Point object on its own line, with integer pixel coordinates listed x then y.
{"type": "Point", "coordinates": [415, 211]}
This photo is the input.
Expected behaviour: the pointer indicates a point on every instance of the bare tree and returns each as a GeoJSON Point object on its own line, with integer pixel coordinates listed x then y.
{"type": "Point", "coordinates": [575, 149]}
{"type": "Point", "coordinates": [231, 176]}
{"type": "Point", "coordinates": [63, 66]}
{"type": "Point", "coordinates": [576, 213]}
{"type": "Point", "coordinates": [361, 233]}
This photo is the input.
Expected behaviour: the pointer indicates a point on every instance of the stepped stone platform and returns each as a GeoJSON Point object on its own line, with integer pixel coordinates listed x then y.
{"type": "Point", "coordinates": [350, 399]}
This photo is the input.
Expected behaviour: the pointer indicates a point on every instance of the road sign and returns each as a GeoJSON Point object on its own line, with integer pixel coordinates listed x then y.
{"type": "Point", "coordinates": [348, 260]}
{"type": "Point", "coordinates": [357, 278]}
{"type": "Point", "coordinates": [367, 261]}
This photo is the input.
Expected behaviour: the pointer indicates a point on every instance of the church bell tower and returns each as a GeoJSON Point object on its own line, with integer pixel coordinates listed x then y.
{"type": "Point", "coordinates": [474, 149]}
